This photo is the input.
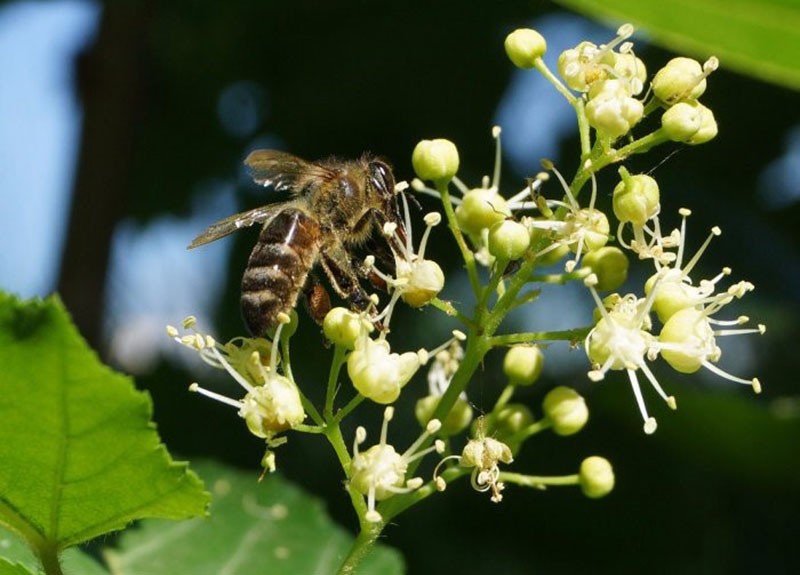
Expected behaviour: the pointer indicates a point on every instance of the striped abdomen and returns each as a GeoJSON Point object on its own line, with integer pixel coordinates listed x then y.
{"type": "Point", "coordinates": [286, 250]}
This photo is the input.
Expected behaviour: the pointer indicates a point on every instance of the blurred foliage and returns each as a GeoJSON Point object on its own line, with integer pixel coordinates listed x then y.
{"type": "Point", "coordinates": [714, 491]}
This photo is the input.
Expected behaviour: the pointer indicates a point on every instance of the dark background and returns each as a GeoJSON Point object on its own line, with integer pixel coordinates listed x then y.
{"type": "Point", "coordinates": [715, 490]}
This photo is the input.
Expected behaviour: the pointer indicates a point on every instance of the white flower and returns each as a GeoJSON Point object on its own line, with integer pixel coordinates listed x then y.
{"type": "Point", "coordinates": [380, 471]}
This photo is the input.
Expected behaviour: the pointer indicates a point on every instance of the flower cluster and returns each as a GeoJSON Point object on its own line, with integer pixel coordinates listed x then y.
{"type": "Point", "coordinates": [547, 232]}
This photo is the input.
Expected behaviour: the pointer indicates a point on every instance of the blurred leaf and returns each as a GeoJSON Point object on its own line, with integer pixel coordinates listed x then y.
{"type": "Point", "coordinates": [18, 559]}
{"type": "Point", "coordinates": [254, 527]}
{"type": "Point", "coordinates": [760, 38]}
{"type": "Point", "coordinates": [80, 455]}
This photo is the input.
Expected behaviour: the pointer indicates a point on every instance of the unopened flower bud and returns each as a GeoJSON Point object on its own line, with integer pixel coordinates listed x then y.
{"type": "Point", "coordinates": [480, 209]}
{"type": "Point", "coordinates": [511, 419]}
{"type": "Point", "coordinates": [596, 477]}
{"type": "Point", "coordinates": [524, 46]}
{"type": "Point", "coordinates": [523, 364]}
{"type": "Point", "coordinates": [610, 265]}
{"type": "Point", "coordinates": [636, 198]}
{"type": "Point", "coordinates": [566, 409]}
{"type": "Point", "coordinates": [435, 160]}
{"type": "Point", "coordinates": [343, 327]}
{"type": "Point", "coordinates": [689, 122]}
{"type": "Point", "coordinates": [681, 80]}
{"type": "Point", "coordinates": [508, 240]}
{"type": "Point", "coordinates": [457, 420]}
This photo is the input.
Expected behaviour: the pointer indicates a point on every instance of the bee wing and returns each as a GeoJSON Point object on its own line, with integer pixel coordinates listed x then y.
{"type": "Point", "coordinates": [236, 222]}
{"type": "Point", "coordinates": [284, 171]}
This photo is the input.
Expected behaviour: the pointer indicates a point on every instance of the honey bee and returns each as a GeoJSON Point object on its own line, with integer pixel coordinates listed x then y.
{"type": "Point", "coordinates": [336, 206]}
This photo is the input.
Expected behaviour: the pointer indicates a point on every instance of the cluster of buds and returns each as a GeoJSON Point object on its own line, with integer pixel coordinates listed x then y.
{"type": "Point", "coordinates": [610, 80]}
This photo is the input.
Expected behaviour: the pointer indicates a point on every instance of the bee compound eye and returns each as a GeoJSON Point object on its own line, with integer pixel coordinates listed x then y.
{"type": "Point", "coordinates": [381, 177]}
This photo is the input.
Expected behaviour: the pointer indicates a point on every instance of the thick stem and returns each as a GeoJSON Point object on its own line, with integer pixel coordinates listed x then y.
{"type": "Point", "coordinates": [361, 547]}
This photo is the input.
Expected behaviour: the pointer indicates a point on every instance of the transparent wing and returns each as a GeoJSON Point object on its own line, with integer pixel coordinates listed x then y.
{"type": "Point", "coordinates": [284, 171]}
{"type": "Point", "coordinates": [236, 222]}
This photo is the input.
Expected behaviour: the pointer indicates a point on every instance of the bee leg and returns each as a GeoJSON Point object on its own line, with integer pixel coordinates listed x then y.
{"type": "Point", "coordinates": [317, 299]}
{"type": "Point", "coordinates": [344, 279]}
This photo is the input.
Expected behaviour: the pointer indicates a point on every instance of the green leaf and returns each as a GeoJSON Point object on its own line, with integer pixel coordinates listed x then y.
{"type": "Point", "coordinates": [760, 38]}
{"type": "Point", "coordinates": [254, 527]}
{"type": "Point", "coordinates": [80, 454]}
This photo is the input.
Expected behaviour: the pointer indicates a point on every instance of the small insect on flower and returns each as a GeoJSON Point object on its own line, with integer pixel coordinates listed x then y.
{"type": "Point", "coordinates": [336, 207]}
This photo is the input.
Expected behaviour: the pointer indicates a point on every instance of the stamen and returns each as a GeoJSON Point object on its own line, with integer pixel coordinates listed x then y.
{"type": "Point", "coordinates": [218, 397]}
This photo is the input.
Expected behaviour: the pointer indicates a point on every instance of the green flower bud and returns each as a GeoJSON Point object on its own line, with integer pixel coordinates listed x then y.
{"type": "Point", "coordinates": [511, 419]}
{"type": "Point", "coordinates": [508, 240]}
{"type": "Point", "coordinates": [343, 327]}
{"type": "Point", "coordinates": [566, 409]}
{"type": "Point", "coordinates": [596, 477]}
{"type": "Point", "coordinates": [708, 126]}
{"type": "Point", "coordinates": [524, 47]}
{"type": "Point", "coordinates": [682, 79]}
{"type": "Point", "coordinates": [635, 198]}
{"type": "Point", "coordinates": [480, 209]}
{"type": "Point", "coordinates": [681, 121]}
{"type": "Point", "coordinates": [523, 364]}
{"type": "Point", "coordinates": [435, 160]}
{"type": "Point", "coordinates": [610, 265]}
{"type": "Point", "coordinates": [457, 420]}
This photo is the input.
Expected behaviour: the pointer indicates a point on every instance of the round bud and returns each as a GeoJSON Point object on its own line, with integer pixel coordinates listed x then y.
{"type": "Point", "coordinates": [523, 364]}
{"type": "Point", "coordinates": [708, 126]}
{"type": "Point", "coordinates": [508, 240]}
{"type": "Point", "coordinates": [610, 265]}
{"type": "Point", "coordinates": [681, 122]}
{"type": "Point", "coordinates": [596, 477]}
{"type": "Point", "coordinates": [566, 409]}
{"type": "Point", "coordinates": [480, 209]}
{"type": "Point", "coordinates": [524, 47]}
{"type": "Point", "coordinates": [342, 327]}
{"type": "Point", "coordinates": [636, 198]}
{"type": "Point", "coordinates": [511, 419]}
{"type": "Point", "coordinates": [435, 160]}
{"type": "Point", "coordinates": [682, 79]}
{"type": "Point", "coordinates": [457, 420]}
{"type": "Point", "coordinates": [424, 283]}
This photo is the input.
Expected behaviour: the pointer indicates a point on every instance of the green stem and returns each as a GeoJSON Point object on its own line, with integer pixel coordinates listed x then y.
{"type": "Point", "coordinates": [339, 354]}
{"type": "Point", "coordinates": [466, 253]}
{"type": "Point", "coordinates": [452, 311]}
{"type": "Point", "coordinates": [538, 482]}
{"type": "Point", "coordinates": [577, 334]}
{"type": "Point", "coordinates": [48, 555]}
{"type": "Point", "coordinates": [361, 547]}
{"type": "Point", "coordinates": [351, 405]}
{"type": "Point", "coordinates": [542, 68]}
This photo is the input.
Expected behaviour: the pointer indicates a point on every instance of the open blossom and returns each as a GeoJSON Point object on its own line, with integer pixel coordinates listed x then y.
{"type": "Point", "coordinates": [623, 338]}
{"type": "Point", "coordinates": [271, 403]}
{"type": "Point", "coordinates": [380, 471]}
